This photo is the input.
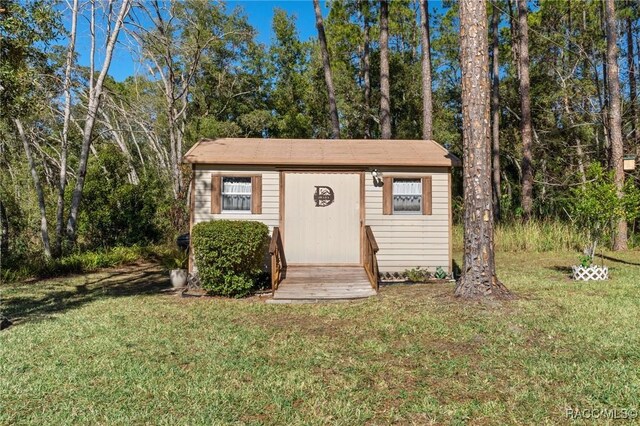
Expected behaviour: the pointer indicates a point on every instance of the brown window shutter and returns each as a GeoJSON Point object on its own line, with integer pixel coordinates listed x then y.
{"type": "Point", "coordinates": [216, 194]}
{"type": "Point", "coordinates": [426, 195]}
{"type": "Point", "coordinates": [256, 194]}
{"type": "Point", "coordinates": [387, 195]}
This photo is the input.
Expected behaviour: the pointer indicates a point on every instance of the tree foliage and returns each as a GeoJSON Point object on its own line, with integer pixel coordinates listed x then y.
{"type": "Point", "coordinates": [220, 80]}
{"type": "Point", "coordinates": [597, 208]}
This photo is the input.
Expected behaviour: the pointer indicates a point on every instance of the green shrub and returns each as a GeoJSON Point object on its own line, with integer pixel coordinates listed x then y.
{"type": "Point", "coordinates": [77, 263]}
{"type": "Point", "coordinates": [116, 212]}
{"type": "Point", "coordinates": [229, 255]}
{"type": "Point", "coordinates": [597, 208]}
{"type": "Point", "coordinates": [417, 275]}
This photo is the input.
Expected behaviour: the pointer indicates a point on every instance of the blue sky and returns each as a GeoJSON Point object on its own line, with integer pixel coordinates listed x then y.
{"type": "Point", "coordinates": [258, 12]}
{"type": "Point", "coordinates": [260, 15]}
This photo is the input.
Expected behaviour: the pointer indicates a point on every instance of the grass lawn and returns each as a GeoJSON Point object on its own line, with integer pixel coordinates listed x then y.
{"type": "Point", "coordinates": [111, 348]}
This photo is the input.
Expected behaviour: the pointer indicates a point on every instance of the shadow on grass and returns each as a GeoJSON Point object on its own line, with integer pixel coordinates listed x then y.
{"type": "Point", "coordinates": [625, 262]}
{"type": "Point", "coordinates": [132, 281]}
{"type": "Point", "coordinates": [564, 270]}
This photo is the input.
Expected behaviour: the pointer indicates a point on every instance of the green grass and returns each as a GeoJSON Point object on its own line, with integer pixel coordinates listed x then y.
{"type": "Point", "coordinates": [111, 348]}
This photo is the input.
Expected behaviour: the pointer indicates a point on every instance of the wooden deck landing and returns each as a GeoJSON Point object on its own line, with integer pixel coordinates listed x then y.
{"type": "Point", "coordinates": [323, 283]}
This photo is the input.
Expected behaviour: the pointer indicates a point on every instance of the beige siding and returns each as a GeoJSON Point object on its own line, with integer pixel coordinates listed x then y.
{"type": "Point", "coordinates": [270, 195]}
{"type": "Point", "coordinates": [409, 241]}
{"type": "Point", "coordinates": [405, 241]}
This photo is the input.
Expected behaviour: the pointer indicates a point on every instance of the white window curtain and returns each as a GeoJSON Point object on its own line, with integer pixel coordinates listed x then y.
{"type": "Point", "coordinates": [236, 194]}
{"type": "Point", "coordinates": [407, 195]}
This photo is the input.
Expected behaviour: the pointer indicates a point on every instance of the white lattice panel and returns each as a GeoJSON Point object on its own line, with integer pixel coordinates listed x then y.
{"type": "Point", "coordinates": [596, 273]}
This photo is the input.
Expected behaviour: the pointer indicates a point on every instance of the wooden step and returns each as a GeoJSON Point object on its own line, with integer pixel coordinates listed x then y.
{"type": "Point", "coordinates": [318, 283]}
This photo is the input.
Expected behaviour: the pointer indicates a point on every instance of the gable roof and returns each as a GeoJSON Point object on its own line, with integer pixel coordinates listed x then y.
{"type": "Point", "coordinates": [321, 152]}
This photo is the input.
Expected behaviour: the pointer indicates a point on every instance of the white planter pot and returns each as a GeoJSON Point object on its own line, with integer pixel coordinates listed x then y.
{"type": "Point", "coordinates": [178, 278]}
{"type": "Point", "coordinates": [593, 272]}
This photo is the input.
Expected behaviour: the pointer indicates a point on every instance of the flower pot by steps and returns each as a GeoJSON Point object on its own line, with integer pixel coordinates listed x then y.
{"type": "Point", "coordinates": [590, 273]}
{"type": "Point", "coordinates": [178, 278]}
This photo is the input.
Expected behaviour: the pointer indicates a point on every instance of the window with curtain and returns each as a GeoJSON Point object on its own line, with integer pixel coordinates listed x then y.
{"type": "Point", "coordinates": [407, 195]}
{"type": "Point", "coordinates": [236, 194]}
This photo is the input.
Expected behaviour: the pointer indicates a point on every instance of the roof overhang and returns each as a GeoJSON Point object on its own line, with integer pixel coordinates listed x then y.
{"type": "Point", "coordinates": [321, 153]}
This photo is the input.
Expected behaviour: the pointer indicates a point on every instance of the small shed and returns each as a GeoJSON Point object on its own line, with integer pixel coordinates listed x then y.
{"type": "Point", "coordinates": [333, 203]}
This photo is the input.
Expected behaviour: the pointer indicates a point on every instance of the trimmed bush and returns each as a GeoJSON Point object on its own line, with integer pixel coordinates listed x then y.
{"type": "Point", "coordinates": [229, 255]}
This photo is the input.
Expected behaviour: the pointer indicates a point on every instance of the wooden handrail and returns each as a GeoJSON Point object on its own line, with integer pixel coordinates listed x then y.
{"type": "Point", "coordinates": [278, 261]}
{"type": "Point", "coordinates": [371, 238]}
{"type": "Point", "coordinates": [370, 258]}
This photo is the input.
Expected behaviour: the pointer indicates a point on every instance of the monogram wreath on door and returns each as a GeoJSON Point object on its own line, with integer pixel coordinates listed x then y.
{"type": "Point", "coordinates": [323, 196]}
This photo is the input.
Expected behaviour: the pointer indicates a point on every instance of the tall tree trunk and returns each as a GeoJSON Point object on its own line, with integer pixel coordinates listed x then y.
{"type": "Point", "coordinates": [513, 27]}
{"type": "Point", "coordinates": [64, 142]}
{"type": "Point", "coordinates": [326, 65]}
{"type": "Point", "coordinates": [615, 118]}
{"type": "Point", "coordinates": [525, 107]}
{"type": "Point", "coordinates": [579, 152]}
{"type": "Point", "coordinates": [87, 133]}
{"type": "Point", "coordinates": [385, 96]}
{"type": "Point", "coordinates": [495, 112]}
{"type": "Point", "coordinates": [633, 93]}
{"type": "Point", "coordinates": [366, 67]}
{"type": "Point", "coordinates": [4, 231]}
{"type": "Point", "coordinates": [479, 271]}
{"type": "Point", "coordinates": [119, 140]}
{"type": "Point", "coordinates": [44, 229]}
{"type": "Point", "coordinates": [567, 63]}
{"type": "Point", "coordinates": [427, 102]}
{"type": "Point", "coordinates": [605, 86]}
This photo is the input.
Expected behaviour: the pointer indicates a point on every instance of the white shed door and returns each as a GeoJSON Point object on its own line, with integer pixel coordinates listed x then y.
{"type": "Point", "coordinates": [322, 218]}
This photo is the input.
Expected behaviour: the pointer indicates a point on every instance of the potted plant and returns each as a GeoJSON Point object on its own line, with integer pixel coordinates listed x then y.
{"type": "Point", "coordinates": [179, 272]}
{"type": "Point", "coordinates": [596, 209]}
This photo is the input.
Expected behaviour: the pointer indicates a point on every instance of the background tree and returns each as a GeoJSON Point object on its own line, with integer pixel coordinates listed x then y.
{"type": "Point", "coordinates": [289, 59]}
{"type": "Point", "coordinates": [525, 109]}
{"type": "Point", "coordinates": [93, 104]}
{"type": "Point", "coordinates": [326, 65]}
{"type": "Point", "coordinates": [495, 109]}
{"type": "Point", "coordinates": [222, 82]}
{"type": "Point", "coordinates": [615, 118]}
{"type": "Point", "coordinates": [25, 31]}
{"type": "Point", "coordinates": [631, 66]}
{"type": "Point", "coordinates": [385, 95]}
{"type": "Point", "coordinates": [366, 65]}
{"type": "Point", "coordinates": [427, 103]}
{"type": "Point", "coordinates": [173, 46]}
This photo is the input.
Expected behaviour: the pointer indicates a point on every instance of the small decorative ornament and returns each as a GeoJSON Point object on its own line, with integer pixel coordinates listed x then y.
{"type": "Point", "coordinates": [588, 273]}
{"type": "Point", "coordinates": [323, 196]}
{"type": "Point", "coordinates": [440, 273]}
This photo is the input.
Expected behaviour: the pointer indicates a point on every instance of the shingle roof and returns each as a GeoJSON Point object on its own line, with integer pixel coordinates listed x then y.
{"type": "Point", "coordinates": [321, 152]}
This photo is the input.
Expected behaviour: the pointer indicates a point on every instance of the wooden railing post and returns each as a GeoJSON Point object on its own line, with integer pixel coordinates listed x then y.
{"type": "Point", "coordinates": [370, 258]}
{"type": "Point", "coordinates": [278, 262]}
